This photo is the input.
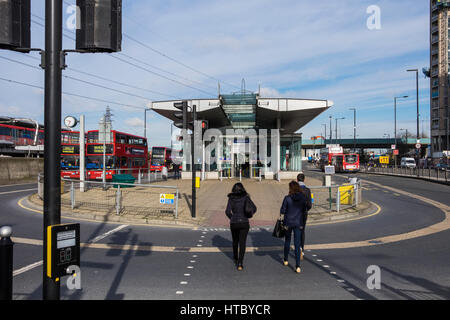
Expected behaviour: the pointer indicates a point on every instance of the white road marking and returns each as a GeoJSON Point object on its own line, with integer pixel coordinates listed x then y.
{"type": "Point", "coordinates": [179, 292]}
{"type": "Point", "coordinates": [17, 191]}
{"type": "Point", "coordinates": [183, 282]}
{"type": "Point", "coordinates": [187, 274]}
{"type": "Point", "coordinates": [103, 236]}
{"type": "Point", "coordinates": [28, 268]}
{"type": "Point", "coordinates": [190, 267]}
{"type": "Point", "coordinates": [192, 261]}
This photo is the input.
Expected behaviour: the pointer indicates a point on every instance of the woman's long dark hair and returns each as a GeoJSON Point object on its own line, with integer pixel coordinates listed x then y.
{"type": "Point", "coordinates": [294, 187]}
{"type": "Point", "coordinates": [238, 189]}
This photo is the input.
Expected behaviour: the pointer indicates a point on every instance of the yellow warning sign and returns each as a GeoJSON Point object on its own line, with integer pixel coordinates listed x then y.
{"type": "Point", "coordinates": [347, 193]}
{"type": "Point", "coordinates": [384, 160]}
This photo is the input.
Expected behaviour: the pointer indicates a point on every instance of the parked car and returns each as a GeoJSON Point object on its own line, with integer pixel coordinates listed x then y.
{"type": "Point", "coordinates": [408, 163]}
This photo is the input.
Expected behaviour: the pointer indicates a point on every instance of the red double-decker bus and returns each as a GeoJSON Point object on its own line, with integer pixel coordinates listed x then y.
{"type": "Point", "coordinates": [346, 162]}
{"type": "Point", "coordinates": [70, 154]}
{"type": "Point", "coordinates": [161, 157]}
{"type": "Point", "coordinates": [126, 154]}
{"type": "Point", "coordinates": [21, 134]}
{"type": "Point", "coordinates": [342, 162]}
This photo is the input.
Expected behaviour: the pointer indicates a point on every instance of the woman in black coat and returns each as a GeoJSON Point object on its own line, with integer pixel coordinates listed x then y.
{"type": "Point", "coordinates": [239, 209]}
{"type": "Point", "coordinates": [293, 209]}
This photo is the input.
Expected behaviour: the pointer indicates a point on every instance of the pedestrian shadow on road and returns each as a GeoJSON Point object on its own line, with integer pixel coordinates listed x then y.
{"type": "Point", "coordinates": [224, 245]}
{"type": "Point", "coordinates": [264, 238]}
{"type": "Point", "coordinates": [431, 290]}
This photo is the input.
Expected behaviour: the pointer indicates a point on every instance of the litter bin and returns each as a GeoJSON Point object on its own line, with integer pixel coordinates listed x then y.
{"type": "Point", "coordinates": [123, 178]}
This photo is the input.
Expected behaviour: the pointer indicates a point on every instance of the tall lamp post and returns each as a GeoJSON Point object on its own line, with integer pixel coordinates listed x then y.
{"type": "Point", "coordinates": [145, 121]}
{"type": "Point", "coordinates": [337, 127]}
{"type": "Point", "coordinates": [417, 99]}
{"type": "Point", "coordinates": [331, 131]}
{"type": "Point", "coordinates": [354, 128]}
{"type": "Point", "coordinates": [395, 125]}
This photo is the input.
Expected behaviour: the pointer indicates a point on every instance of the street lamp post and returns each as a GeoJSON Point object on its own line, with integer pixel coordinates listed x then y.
{"type": "Point", "coordinates": [354, 129]}
{"type": "Point", "coordinates": [145, 121]}
{"type": "Point", "coordinates": [395, 125]}
{"type": "Point", "coordinates": [337, 127]}
{"type": "Point", "coordinates": [417, 99]}
{"type": "Point", "coordinates": [331, 131]}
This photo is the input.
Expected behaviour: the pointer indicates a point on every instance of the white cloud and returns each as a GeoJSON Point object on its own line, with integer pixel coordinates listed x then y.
{"type": "Point", "coordinates": [135, 122]}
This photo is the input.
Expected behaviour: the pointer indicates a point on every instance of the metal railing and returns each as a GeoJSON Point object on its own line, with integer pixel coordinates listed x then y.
{"type": "Point", "coordinates": [336, 198]}
{"type": "Point", "coordinates": [432, 174]}
{"type": "Point", "coordinates": [141, 175]}
{"type": "Point", "coordinates": [113, 198]}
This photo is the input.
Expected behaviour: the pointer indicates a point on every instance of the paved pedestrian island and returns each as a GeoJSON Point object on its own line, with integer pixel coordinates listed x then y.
{"type": "Point", "coordinates": [143, 205]}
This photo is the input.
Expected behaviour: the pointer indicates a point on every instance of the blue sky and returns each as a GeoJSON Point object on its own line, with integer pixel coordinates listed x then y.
{"type": "Point", "coordinates": [293, 48]}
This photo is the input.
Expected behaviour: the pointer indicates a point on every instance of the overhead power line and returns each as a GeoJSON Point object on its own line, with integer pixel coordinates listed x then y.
{"type": "Point", "coordinates": [74, 94]}
{"type": "Point", "coordinates": [176, 61]}
{"type": "Point", "coordinates": [158, 74]}
{"type": "Point", "coordinates": [145, 69]}
{"type": "Point", "coordinates": [80, 80]}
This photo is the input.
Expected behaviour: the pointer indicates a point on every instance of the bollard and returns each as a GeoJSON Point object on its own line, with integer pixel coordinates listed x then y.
{"type": "Point", "coordinates": [72, 195]}
{"type": "Point", "coordinates": [6, 263]}
{"type": "Point", "coordinates": [139, 177]}
{"type": "Point", "coordinates": [118, 200]}
{"type": "Point", "coordinates": [338, 200]}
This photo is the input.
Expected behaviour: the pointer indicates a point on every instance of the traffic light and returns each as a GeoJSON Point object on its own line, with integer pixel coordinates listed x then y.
{"type": "Point", "coordinates": [100, 26]}
{"type": "Point", "coordinates": [182, 116]}
{"type": "Point", "coordinates": [205, 126]}
{"type": "Point", "coordinates": [15, 16]}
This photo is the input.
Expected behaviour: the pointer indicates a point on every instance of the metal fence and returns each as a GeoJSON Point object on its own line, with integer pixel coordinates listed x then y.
{"type": "Point", "coordinates": [434, 174]}
{"type": "Point", "coordinates": [123, 199]}
{"type": "Point", "coordinates": [336, 198]}
{"type": "Point", "coordinates": [141, 175]}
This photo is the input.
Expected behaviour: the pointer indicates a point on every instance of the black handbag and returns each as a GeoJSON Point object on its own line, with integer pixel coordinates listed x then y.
{"type": "Point", "coordinates": [279, 230]}
{"type": "Point", "coordinates": [249, 208]}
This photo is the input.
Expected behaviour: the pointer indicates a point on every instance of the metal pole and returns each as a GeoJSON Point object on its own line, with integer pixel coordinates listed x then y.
{"type": "Point", "coordinates": [176, 206]}
{"type": "Point", "coordinates": [52, 122]}
{"type": "Point", "coordinates": [82, 153]}
{"type": "Point", "coordinates": [145, 123]}
{"type": "Point", "coordinates": [395, 130]}
{"type": "Point", "coordinates": [194, 118]}
{"type": "Point", "coordinates": [354, 130]}
{"type": "Point", "coordinates": [331, 131]}
{"type": "Point", "coordinates": [418, 134]}
{"type": "Point", "coordinates": [6, 264]}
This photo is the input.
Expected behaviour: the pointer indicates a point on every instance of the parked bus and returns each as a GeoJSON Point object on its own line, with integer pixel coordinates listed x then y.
{"type": "Point", "coordinates": [161, 157]}
{"type": "Point", "coordinates": [70, 154]}
{"type": "Point", "coordinates": [126, 155]}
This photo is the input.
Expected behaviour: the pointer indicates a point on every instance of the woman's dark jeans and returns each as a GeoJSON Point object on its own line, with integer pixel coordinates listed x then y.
{"type": "Point", "coordinates": [287, 243]}
{"type": "Point", "coordinates": [239, 232]}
